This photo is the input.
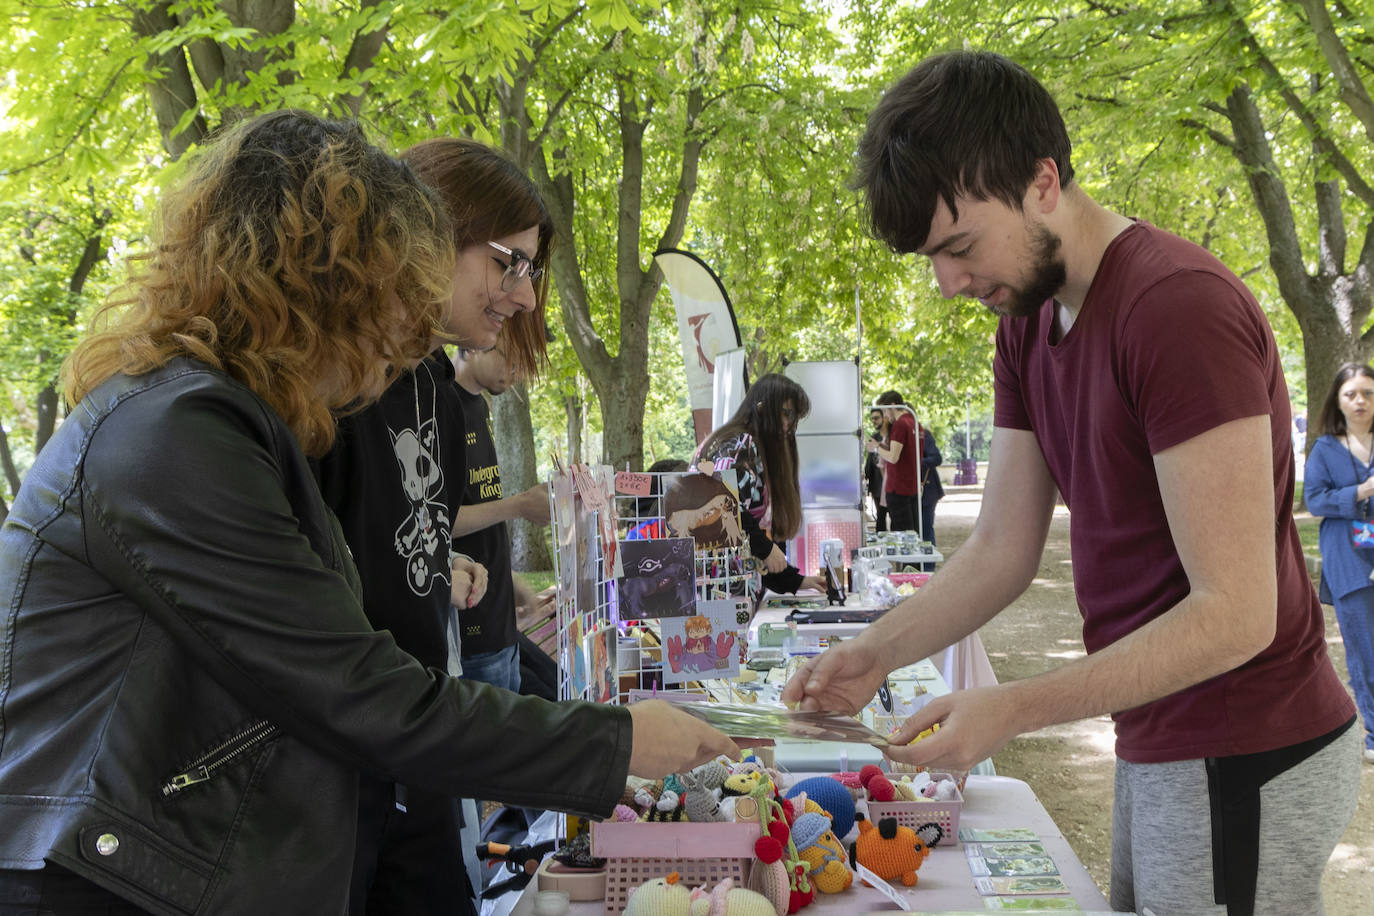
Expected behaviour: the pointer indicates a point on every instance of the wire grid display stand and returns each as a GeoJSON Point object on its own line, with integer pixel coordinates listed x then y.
{"type": "Point", "coordinates": [587, 599]}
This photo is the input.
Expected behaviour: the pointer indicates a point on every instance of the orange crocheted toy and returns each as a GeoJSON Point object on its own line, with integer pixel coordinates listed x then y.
{"type": "Point", "coordinates": [889, 851]}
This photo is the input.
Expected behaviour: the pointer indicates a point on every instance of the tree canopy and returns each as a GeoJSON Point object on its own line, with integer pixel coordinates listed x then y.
{"type": "Point", "coordinates": [726, 128]}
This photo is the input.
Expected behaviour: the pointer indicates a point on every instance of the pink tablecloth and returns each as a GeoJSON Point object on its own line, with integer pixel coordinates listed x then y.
{"type": "Point", "coordinates": [945, 880]}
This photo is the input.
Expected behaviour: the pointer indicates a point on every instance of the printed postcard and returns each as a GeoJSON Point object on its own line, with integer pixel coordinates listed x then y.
{"type": "Point", "coordinates": [660, 579]}
{"type": "Point", "coordinates": [702, 645]}
{"type": "Point", "coordinates": [703, 507]}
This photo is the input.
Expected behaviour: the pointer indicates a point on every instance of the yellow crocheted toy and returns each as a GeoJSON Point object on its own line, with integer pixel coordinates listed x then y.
{"type": "Point", "coordinates": [824, 853]}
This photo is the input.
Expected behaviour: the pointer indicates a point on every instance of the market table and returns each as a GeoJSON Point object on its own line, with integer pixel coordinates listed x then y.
{"type": "Point", "coordinates": [945, 880]}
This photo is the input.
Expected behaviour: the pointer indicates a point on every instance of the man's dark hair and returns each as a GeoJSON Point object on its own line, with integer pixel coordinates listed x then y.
{"type": "Point", "coordinates": [969, 123]}
{"type": "Point", "coordinates": [891, 399]}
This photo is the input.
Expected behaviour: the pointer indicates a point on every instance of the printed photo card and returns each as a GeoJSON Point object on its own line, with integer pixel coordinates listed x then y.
{"type": "Point", "coordinates": [660, 579]}
{"type": "Point", "coordinates": [703, 645]}
{"type": "Point", "coordinates": [703, 507]}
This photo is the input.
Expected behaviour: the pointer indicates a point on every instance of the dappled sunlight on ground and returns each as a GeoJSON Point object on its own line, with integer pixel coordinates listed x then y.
{"type": "Point", "coordinates": [1352, 858]}
{"type": "Point", "coordinates": [1093, 738]}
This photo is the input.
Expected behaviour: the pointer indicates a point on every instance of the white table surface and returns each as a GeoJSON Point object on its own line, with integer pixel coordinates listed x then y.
{"type": "Point", "coordinates": [945, 882]}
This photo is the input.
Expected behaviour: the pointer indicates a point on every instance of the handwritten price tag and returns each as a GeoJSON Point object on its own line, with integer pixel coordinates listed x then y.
{"type": "Point", "coordinates": [633, 484]}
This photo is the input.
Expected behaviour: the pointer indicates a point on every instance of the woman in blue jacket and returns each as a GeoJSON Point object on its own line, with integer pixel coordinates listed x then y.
{"type": "Point", "coordinates": [1338, 486]}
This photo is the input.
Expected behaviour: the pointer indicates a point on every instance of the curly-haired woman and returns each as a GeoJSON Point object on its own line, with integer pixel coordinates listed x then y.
{"type": "Point", "coordinates": [189, 687]}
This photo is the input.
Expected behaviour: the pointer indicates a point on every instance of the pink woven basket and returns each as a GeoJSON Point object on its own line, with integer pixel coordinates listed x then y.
{"type": "Point", "coordinates": [915, 813]}
{"type": "Point", "coordinates": [700, 853]}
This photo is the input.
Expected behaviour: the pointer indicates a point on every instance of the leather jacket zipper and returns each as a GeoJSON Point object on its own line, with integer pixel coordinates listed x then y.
{"type": "Point", "coordinates": [204, 766]}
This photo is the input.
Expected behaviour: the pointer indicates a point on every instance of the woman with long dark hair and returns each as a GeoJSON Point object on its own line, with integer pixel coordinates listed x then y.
{"type": "Point", "coordinates": [760, 443]}
{"type": "Point", "coordinates": [1338, 486]}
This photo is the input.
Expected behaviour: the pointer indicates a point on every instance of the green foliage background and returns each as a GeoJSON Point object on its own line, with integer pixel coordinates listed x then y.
{"type": "Point", "coordinates": [774, 94]}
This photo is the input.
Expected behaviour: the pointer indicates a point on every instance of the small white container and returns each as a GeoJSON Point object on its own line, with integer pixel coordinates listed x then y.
{"type": "Point", "coordinates": [551, 903]}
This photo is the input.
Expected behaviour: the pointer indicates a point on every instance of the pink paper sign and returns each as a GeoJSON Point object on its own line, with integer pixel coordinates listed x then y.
{"type": "Point", "coordinates": [632, 484]}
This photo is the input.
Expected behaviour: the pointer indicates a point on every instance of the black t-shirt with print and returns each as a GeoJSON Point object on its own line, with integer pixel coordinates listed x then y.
{"type": "Point", "coordinates": [491, 624]}
{"type": "Point", "coordinates": [395, 477]}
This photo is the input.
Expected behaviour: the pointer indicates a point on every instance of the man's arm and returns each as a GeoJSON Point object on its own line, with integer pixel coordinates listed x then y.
{"type": "Point", "coordinates": [890, 452]}
{"type": "Point", "coordinates": [531, 505]}
{"type": "Point", "coordinates": [993, 567]}
{"type": "Point", "coordinates": [1225, 539]}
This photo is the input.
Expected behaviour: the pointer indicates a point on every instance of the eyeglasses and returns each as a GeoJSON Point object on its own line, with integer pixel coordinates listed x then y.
{"type": "Point", "coordinates": [519, 268]}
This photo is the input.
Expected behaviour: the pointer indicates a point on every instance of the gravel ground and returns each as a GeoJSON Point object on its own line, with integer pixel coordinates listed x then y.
{"type": "Point", "coordinates": [1070, 766]}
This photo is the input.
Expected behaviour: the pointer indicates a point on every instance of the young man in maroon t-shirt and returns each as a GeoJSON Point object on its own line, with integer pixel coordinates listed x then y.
{"type": "Point", "coordinates": [901, 457]}
{"type": "Point", "coordinates": [1136, 376]}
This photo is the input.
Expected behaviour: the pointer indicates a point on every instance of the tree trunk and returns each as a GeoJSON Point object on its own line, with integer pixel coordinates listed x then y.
{"type": "Point", "coordinates": [11, 473]}
{"type": "Point", "coordinates": [622, 400]}
{"type": "Point", "coordinates": [1332, 304]}
{"type": "Point", "coordinates": [47, 417]}
{"type": "Point", "coordinates": [172, 92]}
{"type": "Point", "coordinates": [510, 420]}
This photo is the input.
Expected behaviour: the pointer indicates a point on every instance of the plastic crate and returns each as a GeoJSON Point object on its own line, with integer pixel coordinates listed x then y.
{"type": "Point", "coordinates": [915, 813]}
{"type": "Point", "coordinates": [700, 853]}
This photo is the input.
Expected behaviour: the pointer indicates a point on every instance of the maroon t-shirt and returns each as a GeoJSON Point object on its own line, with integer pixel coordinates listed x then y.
{"type": "Point", "coordinates": [1168, 344]}
{"type": "Point", "coordinates": [902, 477]}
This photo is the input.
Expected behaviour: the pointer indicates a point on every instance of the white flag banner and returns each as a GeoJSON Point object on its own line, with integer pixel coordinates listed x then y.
{"type": "Point", "coordinates": [705, 323]}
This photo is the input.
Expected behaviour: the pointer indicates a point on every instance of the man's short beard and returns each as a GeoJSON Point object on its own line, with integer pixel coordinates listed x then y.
{"type": "Point", "coordinates": [1048, 274]}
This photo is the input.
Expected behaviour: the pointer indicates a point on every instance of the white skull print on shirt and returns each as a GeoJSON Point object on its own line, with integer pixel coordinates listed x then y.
{"type": "Point", "coordinates": [422, 538]}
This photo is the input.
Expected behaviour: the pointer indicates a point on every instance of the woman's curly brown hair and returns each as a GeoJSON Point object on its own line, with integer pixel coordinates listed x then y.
{"type": "Point", "coordinates": [294, 256]}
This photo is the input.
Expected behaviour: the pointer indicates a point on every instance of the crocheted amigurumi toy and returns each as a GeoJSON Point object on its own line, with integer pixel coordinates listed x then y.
{"type": "Point", "coordinates": [668, 897]}
{"type": "Point", "coordinates": [745, 783]}
{"type": "Point", "coordinates": [879, 787]}
{"type": "Point", "coordinates": [823, 852]}
{"type": "Point", "coordinates": [667, 808]}
{"type": "Point", "coordinates": [889, 851]}
{"type": "Point", "coordinates": [833, 798]}
{"type": "Point", "coordinates": [712, 774]}
{"type": "Point", "coordinates": [775, 847]}
{"type": "Point", "coordinates": [700, 802]}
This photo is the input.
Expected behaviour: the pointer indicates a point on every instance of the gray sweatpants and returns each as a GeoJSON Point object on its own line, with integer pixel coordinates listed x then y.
{"type": "Point", "coordinates": [1166, 842]}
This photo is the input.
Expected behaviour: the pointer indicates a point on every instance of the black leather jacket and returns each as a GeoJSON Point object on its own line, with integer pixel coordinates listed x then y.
{"type": "Point", "coordinates": [188, 686]}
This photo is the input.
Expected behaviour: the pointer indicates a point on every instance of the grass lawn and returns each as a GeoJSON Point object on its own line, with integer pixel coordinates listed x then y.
{"type": "Point", "coordinates": [1307, 525]}
{"type": "Point", "coordinates": [1307, 533]}
{"type": "Point", "coordinates": [537, 580]}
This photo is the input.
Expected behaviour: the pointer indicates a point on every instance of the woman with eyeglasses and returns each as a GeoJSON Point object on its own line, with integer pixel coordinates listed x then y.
{"type": "Point", "coordinates": [760, 443]}
{"type": "Point", "coordinates": [1338, 486]}
{"type": "Point", "coordinates": [396, 479]}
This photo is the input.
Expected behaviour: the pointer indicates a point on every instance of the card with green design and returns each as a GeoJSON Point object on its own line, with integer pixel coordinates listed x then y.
{"type": "Point", "coordinates": [1035, 904]}
{"type": "Point", "coordinates": [1004, 850]}
{"type": "Point", "coordinates": [1030, 884]}
{"type": "Point", "coordinates": [1006, 868]}
{"type": "Point", "coordinates": [997, 835]}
